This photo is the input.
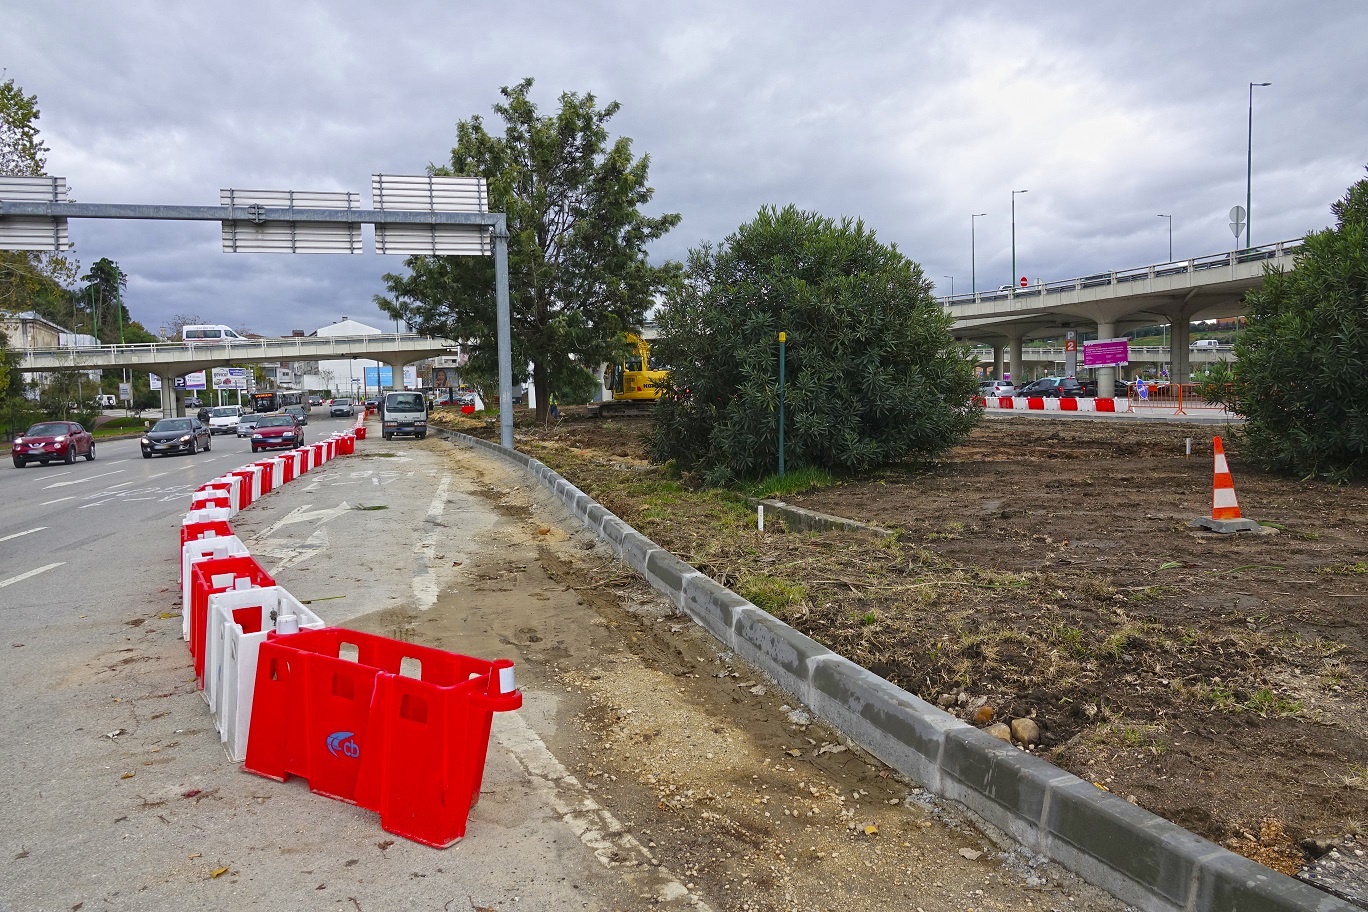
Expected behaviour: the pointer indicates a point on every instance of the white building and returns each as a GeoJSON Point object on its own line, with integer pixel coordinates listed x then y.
{"type": "Point", "coordinates": [343, 376]}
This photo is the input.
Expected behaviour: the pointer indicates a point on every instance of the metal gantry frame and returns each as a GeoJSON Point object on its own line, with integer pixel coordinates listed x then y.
{"type": "Point", "coordinates": [497, 222]}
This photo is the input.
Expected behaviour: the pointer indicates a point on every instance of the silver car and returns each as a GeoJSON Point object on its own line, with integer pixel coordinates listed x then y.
{"type": "Point", "coordinates": [246, 424]}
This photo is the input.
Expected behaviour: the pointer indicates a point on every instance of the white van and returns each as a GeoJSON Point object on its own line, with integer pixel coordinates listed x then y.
{"type": "Point", "coordinates": [106, 400]}
{"type": "Point", "coordinates": [1199, 345]}
{"type": "Point", "coordinates": [223, 419]}
{"type": "Point", "coordinates": [403, 413]}
{"type": "Point", "coordinates": [210, 332]}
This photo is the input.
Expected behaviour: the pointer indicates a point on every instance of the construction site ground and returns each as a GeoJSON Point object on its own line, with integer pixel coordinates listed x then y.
{"type": "Point", "coordinates": [1046, 570]}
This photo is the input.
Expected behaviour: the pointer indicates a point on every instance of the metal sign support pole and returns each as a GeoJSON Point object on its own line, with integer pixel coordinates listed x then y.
{"type": "Point", "coordinates": [505, 329]}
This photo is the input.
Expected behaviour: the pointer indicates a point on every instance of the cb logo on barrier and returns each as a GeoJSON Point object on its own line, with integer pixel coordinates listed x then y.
{"type": "Point", "coordinates": [340, 744]}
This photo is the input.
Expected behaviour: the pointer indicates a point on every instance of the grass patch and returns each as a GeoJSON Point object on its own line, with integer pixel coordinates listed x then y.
{"type": "Point", "coordinates": [1147, 736]}
{"type": "Point", "coordinates": [770, 593]}
{"type": "Point", "coordinates": [795, 482]}
{"type": "Point", "coordinates": [1360, 567]}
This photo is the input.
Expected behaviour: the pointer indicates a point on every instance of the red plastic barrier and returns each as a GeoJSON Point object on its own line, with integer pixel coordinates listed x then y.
{"type": "Point", "coordinates": [467, 410]}
{"type": "Point", "coordinates": [346, 445]}
{"type": "Point", "coordinates": [208, 577]}
{"type": "Point", "coordinates": [199, 530]}
{"type": "Point", "coordinates": [202, 500]}
{"type": "Point", "coordinates": [245, 485]}
{"type": "Point", "coordinates": [267, 475]}
{"type": "Point", "coordinates": [360, 432]}
{"type": "Point", "coordinates": [410, 748]}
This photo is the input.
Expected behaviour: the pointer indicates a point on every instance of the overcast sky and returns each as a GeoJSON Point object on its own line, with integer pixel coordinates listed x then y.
{"type": "Point", "coordinates": [910, 116]}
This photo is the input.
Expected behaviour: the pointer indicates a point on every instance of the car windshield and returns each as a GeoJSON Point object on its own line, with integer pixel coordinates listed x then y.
{"type": "Point", "coordinates": [47, 430]}
{"type": "Point", "coordinates": [293, 410]}
{"type": "Point", "coordinates": [279, 421]}
{"type": "Point", "coordinates": [404, 402]}
{"type": "Point", "coordinates": [172, 424]}
{"type": "Point", "coordinates": [223, 411]}
{"type": "Point", "coordinates": [341, 402]}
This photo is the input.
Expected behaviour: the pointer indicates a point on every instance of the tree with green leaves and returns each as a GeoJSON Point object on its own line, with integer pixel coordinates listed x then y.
{"type": "Point", "coordinates": [102, 296]}
{"type": "Point", "coordinates": [578, 272]}
{"type": "Point", "coordinates": [29, 280]}
{"type": "Point", "coordinates": [873, 374]}
{"type": "Point", "coordinates": [1301, 374]}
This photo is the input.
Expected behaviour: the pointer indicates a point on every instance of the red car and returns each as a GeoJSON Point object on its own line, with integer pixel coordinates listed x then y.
{"type": "Point", "coordinates": [49, 441]}
{"type": "Point", "coordinates": [275, 432]}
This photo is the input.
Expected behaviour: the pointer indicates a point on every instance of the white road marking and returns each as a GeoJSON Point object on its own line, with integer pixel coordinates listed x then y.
{"type": "Point", "coordinates": [158, 475]}
{"type": "Point", "coordinates": [617, 849]}
{"type": "Point", "coordinates": [55, 474]}
{"type": "Point", "coordinates": [116, 461]}
{"type": "Point", "coordinates": [58, 500]}
{"type": "Point", "coordinates": [425, 586]}
{"type": "Point", "coordinates": [120, 485]}
{"type": "Point", "coordinates": [24, 576]}
{"type": "Point", "coordinates": [25, 532]}
{"type": "Point", "coordinates": [96, 503]}
{"type": "Point", "coordinates": [63, 484]}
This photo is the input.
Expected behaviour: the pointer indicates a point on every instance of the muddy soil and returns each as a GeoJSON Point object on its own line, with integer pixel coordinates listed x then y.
{"type": "Point", "coordinates": [1046, 570]}
{"type": "Point", "coordinates": [687, 774]}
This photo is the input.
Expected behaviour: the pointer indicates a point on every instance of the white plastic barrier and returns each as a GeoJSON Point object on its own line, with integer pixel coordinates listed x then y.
{"type": "Point", "coordinates": [198, 498]}
{"type": "Point", "coordinates": [253, 480]}
{"type": "Point", "coordinates": [231, 658]}
{"type": "Point", "coordinates": [207, 514]}
{"type": "Point", "coordinates": [201, 549]}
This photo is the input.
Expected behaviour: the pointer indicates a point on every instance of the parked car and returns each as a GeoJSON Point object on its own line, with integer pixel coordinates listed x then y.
{"type": "Point", "coordinates": [247, 423]}
{"type": "Point", "coordinates": [298, 413]}
{"type": "Point", "coordinates": [277, 432]}
{"type": "Point", "coordinates": [176, 435]}
{"type": "Point", "coordinates": [49, 441]}
{"type": "Point", "coordinates": [991, 388]}
{"type": "Point", "coordinates": [341, 407]}
{"type": "Point", "coordinates": [193, 403]}
{"type": "Point", "coordinates": [1052, 388]}
{"type": "Point", "coordinates": [223, 419]}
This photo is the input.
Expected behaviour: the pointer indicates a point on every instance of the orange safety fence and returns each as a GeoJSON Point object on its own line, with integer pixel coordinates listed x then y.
{"type": "Point", "coordinates": [1174, 398]}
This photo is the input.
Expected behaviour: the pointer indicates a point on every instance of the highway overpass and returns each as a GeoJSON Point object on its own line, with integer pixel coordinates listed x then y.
{"type": "Point", "coordinates": [169, 360]}
{"type": "Point", "coordinates": [1110, 303]}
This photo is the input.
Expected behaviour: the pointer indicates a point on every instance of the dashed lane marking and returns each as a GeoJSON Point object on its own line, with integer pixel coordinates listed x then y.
{"type": "Point", "coordinates": [58, 500]}
{"type": "Point", "coordinates": [63, 484]}
{"type": "Point", "coordinates": [23, 576]}
{"type": "Point", "coordinates": [25, 532]}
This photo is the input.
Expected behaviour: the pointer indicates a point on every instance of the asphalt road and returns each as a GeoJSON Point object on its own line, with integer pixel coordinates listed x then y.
{"type": "Point", "coordinates": [116, 793]}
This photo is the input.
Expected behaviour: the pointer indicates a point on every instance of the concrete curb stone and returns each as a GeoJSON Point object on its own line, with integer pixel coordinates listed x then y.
{"type": "Point", "coordinates": [1138, 856]}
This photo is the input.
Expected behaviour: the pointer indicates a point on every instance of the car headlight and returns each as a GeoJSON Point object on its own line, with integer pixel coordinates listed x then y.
{"type": "Point", "coordinates": [187, 438]}
{"type": "Point", "coordinates": [18, 440]}
{"type": "Point", "coordinates": [61, 439]}
{"type": "Point", "coordinates": [145, 441]}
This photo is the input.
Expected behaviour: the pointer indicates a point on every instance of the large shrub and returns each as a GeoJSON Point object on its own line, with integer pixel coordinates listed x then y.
{"type": "Point", "coordinates": [1301, 378]}
{"type": "Point", "coordinates": [873, 375]}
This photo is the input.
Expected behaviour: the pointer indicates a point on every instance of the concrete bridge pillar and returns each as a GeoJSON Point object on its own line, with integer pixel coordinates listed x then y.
{"type": "Point", "coordinates": [1018, 360]}
{"type": "Point", "coordinates": [1180, 364]}
{"type": "Point", "coordinates": [1106, 376]}
{"type": "Point", "coordinates": [168, 395]}
{"type": "Point", "coordinates": [397, 375]}
{"type": "Point", "coordinates": [997, 362]}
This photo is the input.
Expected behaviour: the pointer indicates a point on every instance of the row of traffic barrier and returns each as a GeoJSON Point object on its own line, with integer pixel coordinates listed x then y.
{"type": "Point", "coordinates": [398, 729]}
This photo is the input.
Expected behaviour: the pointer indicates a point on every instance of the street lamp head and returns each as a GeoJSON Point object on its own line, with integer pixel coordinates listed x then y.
{"type": "Point", "coordinates": [978, 215]}
{"type": "Point", "coordinates": [1261, 83]}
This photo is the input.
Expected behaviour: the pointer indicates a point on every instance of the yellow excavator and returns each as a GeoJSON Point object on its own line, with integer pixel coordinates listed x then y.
{"type": "Point", "coordinates": [632, 378]}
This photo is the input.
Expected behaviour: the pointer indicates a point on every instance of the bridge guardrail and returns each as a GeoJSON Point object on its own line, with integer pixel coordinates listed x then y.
{"type": "Point", "coordinates": [1177, 267]}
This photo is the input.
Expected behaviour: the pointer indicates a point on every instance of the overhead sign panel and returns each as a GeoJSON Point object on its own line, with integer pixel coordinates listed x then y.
{"type": "Point", "coordinates": [33, 232]}
{"type": "Point", "coordinates": [287, 236]}
{"type": "Point", "coordinates": [425, 193]}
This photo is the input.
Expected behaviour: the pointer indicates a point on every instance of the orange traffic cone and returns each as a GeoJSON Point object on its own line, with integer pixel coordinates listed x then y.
{"type": "Point", "coordinates": [1223, 502]}
{"type": "Point", "coordinates": [1225, 509]}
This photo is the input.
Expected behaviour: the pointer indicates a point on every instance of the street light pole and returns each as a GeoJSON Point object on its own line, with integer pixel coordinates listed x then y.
{"type": "Point", "coordinates": [1170, 218]}
{"type": "Point", "coordinates": [952, 285]}
{"type": "Point", "coordinates": [1249, 165]}
{"type": "Point", "coordinates": [1014, 266]}
{"type": "Point", "coordinates": [973, 253]}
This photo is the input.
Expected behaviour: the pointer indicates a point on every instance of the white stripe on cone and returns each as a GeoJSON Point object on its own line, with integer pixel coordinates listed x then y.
{"type": "Point", "coordinates": [1224, 497]}
{"type": "Point", "coordinates": [1221, 464]}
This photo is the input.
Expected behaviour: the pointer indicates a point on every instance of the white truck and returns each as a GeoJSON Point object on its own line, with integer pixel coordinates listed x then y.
{"type": "Point", "coordinates": [403, 413]}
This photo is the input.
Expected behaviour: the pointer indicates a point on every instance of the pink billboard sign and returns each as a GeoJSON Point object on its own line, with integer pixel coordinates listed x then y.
{"type": "Point", "coordinates": [1104, 352]}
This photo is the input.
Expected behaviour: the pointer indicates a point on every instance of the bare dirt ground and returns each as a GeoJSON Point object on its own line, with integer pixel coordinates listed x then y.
{"type": "Point", "coordinates": [697, 774]}
{"type": "Point", "coordinates": [1045, 570]}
